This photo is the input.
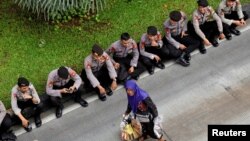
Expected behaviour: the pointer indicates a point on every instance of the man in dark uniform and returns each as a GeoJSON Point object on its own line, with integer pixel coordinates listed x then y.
{"type": "Point", "coordinates": [152, 50]}
{"type": "Point", "coordinates": [64, 82]}
{"type": "Point", "coordinates": [231, 14]}
{"type": "Point", "coordinates": [181, 44]}
{"type": "Point", "coordinates": [24, 95]}
{"type": "Point", "coordinates": [99, 73]}
{"type": "Point", "coordinates": [125, 58]}
{"type": "Point", "coordinates": [5, 124]}
{"type": "Point", "coordinates": [206, 25]}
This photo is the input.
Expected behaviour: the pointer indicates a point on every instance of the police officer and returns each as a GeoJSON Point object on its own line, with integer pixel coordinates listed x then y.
{"type": "Point", "coordinates": [125, 58]}
{"type": "Point", "coordinates": [99, 72]}
{"type": "Point", "coordinates": [181, 44]}
{"type": "Point", "coordinates": [152, 49]}
{"type": "Point", "coordinates": [5, 124]}
{"type": "Point", "coordinates": [24, 95]}
{"type": "Point", "coordinates": [64, 82]}
{"type": "Point", "coordinates": [206, 25]}
{"type": "Point", "coordinates": [232, 16]}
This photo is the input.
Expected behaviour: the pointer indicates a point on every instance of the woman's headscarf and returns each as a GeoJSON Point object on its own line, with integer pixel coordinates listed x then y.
{"type": "Point", "coordinates": [138, 96]}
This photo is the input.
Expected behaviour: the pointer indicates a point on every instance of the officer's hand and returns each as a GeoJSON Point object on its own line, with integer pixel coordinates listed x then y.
{"type": "Point", "coordinates": [27, 96]}
{"type": "Point", "coordinates": [154, 43]}
{"type": "Point", "coordinates": [221, 36]}
{"type": "Point", "coordinates": [157, 58]}
{"type": "Point", "coordinates": [242, 21]}
{"type": "Point", "coordinates": [238, 23]}
{"type": "Point", "coordinates": [72, 89]}
{"type": "Point", "coordinates": [116, 65]}
{"type": "Point", "coordinates": [101, 89]}
{"type": "Point", "coordinates": [34, 100]}
{"type": "Point", "coordinates": [183, 33]}
{"type": "Point", "coordinates": [182, 47]}
{"type": "Point", "coordinates": [64, 90]}
{"type": "Point", "coordinates": [206, 42]}
{"type": "Point", "coordinates": [113, 85]}
{"type": "Point", "coordinates": [131, 70]}
{"type": "Point", "coordinates": [25, 122]}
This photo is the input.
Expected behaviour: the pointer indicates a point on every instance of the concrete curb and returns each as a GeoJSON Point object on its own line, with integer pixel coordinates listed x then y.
{"type": "Point", "coordinates": [70, 106]}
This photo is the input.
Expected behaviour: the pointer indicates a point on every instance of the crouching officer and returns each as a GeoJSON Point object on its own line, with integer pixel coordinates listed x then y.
{"type": "Point", "coordinates": [152, 49]}
{"type": "Point", "coordinates": [64, 82]}
{"type": "Point", "coordinates": [24, 95]}
{"type": "Point", "coordinates": [5, 124]}
{"type": "Point", "coordinates": [99, 73]}
{"type": "Point", "coordinates": [231, 14]}
{"type": "Point", "coordinates": [206, 25]}
{"type": "Point", "coordinates": [181, 44]}
{"type": "Point", "coordinates": [125, 54]}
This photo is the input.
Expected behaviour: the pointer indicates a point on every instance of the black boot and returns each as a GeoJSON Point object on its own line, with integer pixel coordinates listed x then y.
{"type": "Point", "coordinates": [214, 42]}
{"type": "Point", "coordinates": [234, 31]}
{"type": "Point", "coordinates": [202, 49]}
{"type": "Point", "coordinates": [181, 60]}
{"type": "Point", "coordinates": [38, 120]}
{"type": "Point", "coordinates": [187, 57]}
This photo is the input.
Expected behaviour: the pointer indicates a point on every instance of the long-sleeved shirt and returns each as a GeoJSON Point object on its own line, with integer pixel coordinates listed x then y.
{"type": "Point", "coordinates": [91, 65]}
{"type": "Point", "coordinates": [175, 30]}
{"type": "Point", "coordinates": [199, 19]}
{"type": "Point", "coordinates": [145, 42]}
{"type": "Point", "coordinates": [55, 80]}
{"type": "Point", "coordinates": [17, 95]}
{"type": "Point", "coordinates": [145, 116]}
{"type": "Point", "coordinates": [119, 51]}
{"type": "Point", "coordinates": [2, 112]}
{"type": "Point", "coordinates": [224, 9]}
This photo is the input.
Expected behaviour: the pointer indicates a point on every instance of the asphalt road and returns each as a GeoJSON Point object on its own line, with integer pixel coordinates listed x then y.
{"type": "Point", "coordinates": [215, 89]}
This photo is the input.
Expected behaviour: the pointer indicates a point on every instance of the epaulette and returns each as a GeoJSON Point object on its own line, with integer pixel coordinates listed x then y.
{"type": "Point", "coordinates": [72, 73]}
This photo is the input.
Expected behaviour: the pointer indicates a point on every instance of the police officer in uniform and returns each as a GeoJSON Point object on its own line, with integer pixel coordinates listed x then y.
{"type": "Point", "coordinates": [232, 16]}
{"type": "Point", "coordinates": [206, 25]}
{"type": "Point", "coordinates": [99, 72]}
{"type": "Point", "coordinates": [64, 82]}
{"type": "Point", "coordinates": [5, 124]}
{"type": "Point", "coordinates": [181, 44]}
{"type": "Point", "coordinates": [152, 49]}
{"type": "Point", "coordinates": [24, 95]}
{"type": "Point", "coordinates": [125, 58]}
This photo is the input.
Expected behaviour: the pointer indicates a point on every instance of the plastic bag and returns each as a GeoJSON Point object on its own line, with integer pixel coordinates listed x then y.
{"type": "Point", "coordinates": [130, 129]}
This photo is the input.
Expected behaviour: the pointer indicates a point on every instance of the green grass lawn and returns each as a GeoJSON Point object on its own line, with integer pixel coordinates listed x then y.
{"type": "Point", "coordinates": [32, 49]}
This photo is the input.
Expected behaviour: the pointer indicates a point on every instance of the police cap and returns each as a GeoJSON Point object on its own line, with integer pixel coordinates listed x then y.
{"type": "Point", "coordinates": [22, 82]}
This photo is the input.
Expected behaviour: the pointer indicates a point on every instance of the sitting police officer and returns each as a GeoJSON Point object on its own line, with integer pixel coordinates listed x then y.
{"type": "Point", "coordinates": [231, 14]}
{"type": "Point", "coordinates": [63, 82]}
{"type": "Point", "coordinates": [99, 73]}
{"type": "Point", "coordinates": [125, 54]}
{"type": "Point", "coordinates": [152, 50]}
{"type": "Point", "coordinates": [24, 95]}
{"type": "Point", "coordinates": [206, 25]}
{"type": "Point", "coordinates": [5, 124]}
{"type": "Point", "coordinates": [181, 43]}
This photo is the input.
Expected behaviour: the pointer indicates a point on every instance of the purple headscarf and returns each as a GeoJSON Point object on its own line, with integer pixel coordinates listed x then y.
{"type": "Point", "coordinates": [138, 96]}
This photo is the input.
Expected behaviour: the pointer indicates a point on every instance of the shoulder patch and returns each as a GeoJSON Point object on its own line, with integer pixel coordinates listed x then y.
{"type": "Point", "coordinates": [159, 37]}
{"type": "Point", "coordinates": [134, 45]}
{"type": "Point", "coordinates": [167, 30]}
{"type": "Point", "coordinates": [15, 95]}
{"type": "Point", "coordinates": [50, 84]}
{"type": "Point", "coordinates": [112, 49]}
{"type": "Point", "coordinates": [142, 44]}
{"type": "Point", "coordinates": [72, 73]}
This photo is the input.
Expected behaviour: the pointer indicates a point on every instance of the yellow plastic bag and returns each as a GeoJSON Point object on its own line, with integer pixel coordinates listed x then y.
{"type": "Point", "coordinates": [132, 131]}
